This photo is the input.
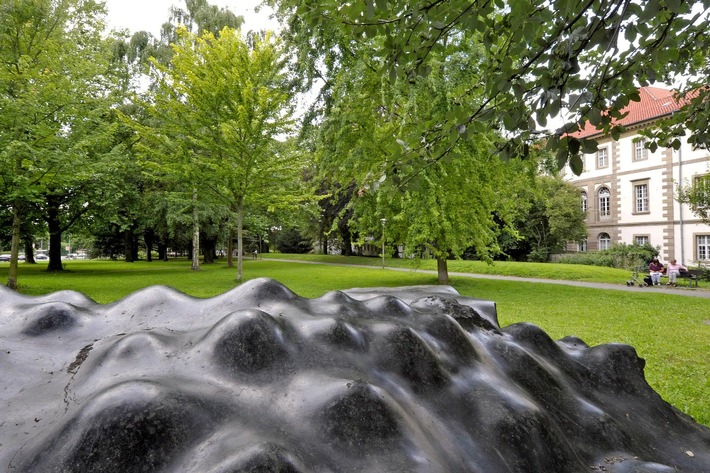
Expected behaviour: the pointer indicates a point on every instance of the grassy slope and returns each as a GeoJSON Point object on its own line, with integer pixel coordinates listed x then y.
{"type": "Point", "coordinates": [671, 332]}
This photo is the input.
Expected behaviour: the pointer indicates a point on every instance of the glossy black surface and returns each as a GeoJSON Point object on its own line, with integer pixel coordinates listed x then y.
{"type": "Point", "coordinates": [373, 380]}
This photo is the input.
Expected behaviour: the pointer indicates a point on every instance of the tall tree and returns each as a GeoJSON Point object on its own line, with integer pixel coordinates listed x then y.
{"type": "Point", "coordinates": [553, 217]}
{"type": "Point", "coordinates": [53, 95]}
{"type": "Point", "coordinates": [225, 100]}
{"type": "Point", "coordinates": [434, 202]}
{"type": "Point", "coordinates": [145, 54]}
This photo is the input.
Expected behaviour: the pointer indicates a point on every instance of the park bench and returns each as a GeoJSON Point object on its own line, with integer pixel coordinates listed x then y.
{"type": "Point", "coordinates": [692, 276]}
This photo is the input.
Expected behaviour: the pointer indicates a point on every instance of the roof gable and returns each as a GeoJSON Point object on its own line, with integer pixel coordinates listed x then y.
{"type": "Point", "coordinates": [655, 103]}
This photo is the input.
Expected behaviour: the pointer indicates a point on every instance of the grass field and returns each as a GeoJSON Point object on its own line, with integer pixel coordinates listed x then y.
{"type": "Point", "coordinates": [671, 332]}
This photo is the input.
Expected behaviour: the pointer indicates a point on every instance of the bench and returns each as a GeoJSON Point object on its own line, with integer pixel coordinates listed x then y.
{"type": "Point", "coordinates": [692, 276]}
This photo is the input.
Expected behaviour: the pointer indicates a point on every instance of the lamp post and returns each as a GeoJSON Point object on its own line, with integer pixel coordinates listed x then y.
{"type": "Point", "coordinates": [383, 220]}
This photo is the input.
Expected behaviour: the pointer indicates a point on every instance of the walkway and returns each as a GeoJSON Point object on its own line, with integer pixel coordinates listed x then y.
{"type": "Point", "coordinates": [677, 291]}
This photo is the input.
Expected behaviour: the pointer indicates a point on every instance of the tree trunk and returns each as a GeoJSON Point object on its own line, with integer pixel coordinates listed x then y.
{"type": "Point", "coordinates": [148, 238]}
{"type": "Point", "coordinates": [128, 246]}
{"type": "Point", "coordinates": [209, 247]}
{"type": "Point", "coordinates": [55, 235]}
{"type": "Point", "coordinates": [240, 252]}
{"type": "Point", "coordinates": [162, 251]}
{"type": "Point", "coordinates": [195, 233]}
{"type": "Point", "coordinates": [442, 270]}
{"type": "Point", "coordinates": [29, 251]}
{"type": "Point", "coordinates": [230, 249]}
{"type": "Point", "coordinates": [14, 248]}
{"type": "Point", "coordinates": [347, 249]}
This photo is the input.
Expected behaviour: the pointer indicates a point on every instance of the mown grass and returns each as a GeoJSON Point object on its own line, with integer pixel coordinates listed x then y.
{"type": "Point", "coordinates": [670, 331]}
{"type": "Point", "coordinates": [566, 272]}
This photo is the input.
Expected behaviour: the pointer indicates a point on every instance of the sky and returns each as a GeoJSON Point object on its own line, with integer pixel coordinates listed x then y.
{"type": "Point", "coordinates": [149, 15]}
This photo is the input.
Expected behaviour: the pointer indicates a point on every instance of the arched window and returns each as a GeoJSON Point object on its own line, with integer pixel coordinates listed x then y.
{"type": "Point", "coordinates": [604, 203]}
{"type": "Point", "coordinates": [584, 202]}
{"type": "Point", "coordinates": [582, 245]}
{"type": "Point", "coordinates": [604, 241]}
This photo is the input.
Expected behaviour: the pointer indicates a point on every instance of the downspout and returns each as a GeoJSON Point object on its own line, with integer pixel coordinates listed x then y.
{"type": "Point", "coordinates": [680, 205]}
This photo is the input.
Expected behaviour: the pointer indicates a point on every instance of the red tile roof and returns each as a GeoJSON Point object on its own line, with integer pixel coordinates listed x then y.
{"type": "Point", "coordinates": [655, 103]}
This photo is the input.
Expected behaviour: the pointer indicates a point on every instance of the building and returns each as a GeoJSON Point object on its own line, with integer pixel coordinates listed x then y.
{"type": "Point", "coordinates": [629, 193]}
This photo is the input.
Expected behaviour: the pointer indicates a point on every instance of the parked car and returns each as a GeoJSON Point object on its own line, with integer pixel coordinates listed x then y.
{"type": "Point", "coordinates": [41, 257]}
{"type": "Point", "coordinates": [7, 258]}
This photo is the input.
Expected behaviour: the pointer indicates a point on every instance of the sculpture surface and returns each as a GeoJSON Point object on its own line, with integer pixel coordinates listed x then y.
{"type": "Point", "coordinates": [259, 379]}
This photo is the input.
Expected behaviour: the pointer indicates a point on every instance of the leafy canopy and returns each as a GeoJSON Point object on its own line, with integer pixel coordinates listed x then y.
{"type": "Point", "coordinates": [541, 57]}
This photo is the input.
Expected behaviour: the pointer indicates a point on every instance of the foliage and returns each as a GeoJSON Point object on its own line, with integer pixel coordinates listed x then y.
{"type": "Point", "coordinates": [697, 195]}
{"type": "Point", "coordinates": [198, 16]}
{"type": "Point", "coordinates": [56, 93]}
{"type": "Point", "coordinates": [540, 58]}
{"type": "Point", "coordinates": [290, 240]}
{"type": "Point", "coordinates": [436, 203]}
{"type": "Point", "coordinates": [553, 218]}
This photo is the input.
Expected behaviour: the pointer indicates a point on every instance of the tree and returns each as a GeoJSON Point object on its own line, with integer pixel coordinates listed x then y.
{"type": "Point", "coordinates": [540, 58]}
{"type": "Point", "coordinates": [199, 17]}
{"type": "Point", "coordinates": [53, 95]}
{"type": "Point", "coordinates": [435, 203]}
{"type": "Point", "coordinates": [223, 101]}
{"type": "Point", "coordinates": [142, 53]}
{"type": "Point", "coordinates": [553, 218]}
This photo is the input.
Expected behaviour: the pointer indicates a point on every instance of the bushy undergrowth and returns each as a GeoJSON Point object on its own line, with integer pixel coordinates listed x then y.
{"type": "Point", "coordinates": [620, 255]}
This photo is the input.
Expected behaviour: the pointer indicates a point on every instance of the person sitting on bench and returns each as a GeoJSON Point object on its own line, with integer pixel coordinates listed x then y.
{"type": "Point", "coordinates": [673, 271]}
{"type": "Point", "coordinates": [656, 269]}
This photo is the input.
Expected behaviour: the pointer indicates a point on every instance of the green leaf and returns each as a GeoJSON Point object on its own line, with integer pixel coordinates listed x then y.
{"type": "Point", "coordinates": [562, 154]}
{"type": "Point", "coordinates": [576, 164]}
{"type": "Point", "coordinates": [674, 5]}
{"type": "Point", "coordinates": [589, 146]}
{"type": "Point", "coordinates": [595, 116]}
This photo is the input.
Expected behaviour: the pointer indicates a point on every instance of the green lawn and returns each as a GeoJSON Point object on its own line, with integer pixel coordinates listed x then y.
{"type": "Point", "coordinates": [671, 332]}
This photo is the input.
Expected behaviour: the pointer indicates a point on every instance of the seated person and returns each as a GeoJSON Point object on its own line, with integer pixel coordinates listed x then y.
{"type": "Point", "coordinates": [673, 270]}
{"type": "Point", "coordinates": [656, 269]}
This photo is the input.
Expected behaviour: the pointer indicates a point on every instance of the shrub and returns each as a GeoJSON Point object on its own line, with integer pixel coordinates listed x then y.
{"type": "Point", "coordinates": [620, 255]}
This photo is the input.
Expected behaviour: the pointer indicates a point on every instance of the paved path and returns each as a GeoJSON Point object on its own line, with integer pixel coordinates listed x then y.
{"type": "Point", "coordinates": [679, 291]}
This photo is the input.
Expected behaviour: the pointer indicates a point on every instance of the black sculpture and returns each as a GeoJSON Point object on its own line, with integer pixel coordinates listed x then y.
{"type": "Point", "coordinates": [262, 380]}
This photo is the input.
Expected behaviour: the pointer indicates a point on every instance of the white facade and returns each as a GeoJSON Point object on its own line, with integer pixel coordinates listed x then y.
{"type": "Point", "coordinates": [631, 197]}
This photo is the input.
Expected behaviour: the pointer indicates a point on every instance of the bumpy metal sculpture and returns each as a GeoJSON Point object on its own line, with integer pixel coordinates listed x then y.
{"type": "Point", "coordinates": [260, 379]}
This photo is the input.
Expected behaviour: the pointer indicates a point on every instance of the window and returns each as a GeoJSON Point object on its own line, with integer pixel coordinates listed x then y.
{"type": "Point", "coordinates": [641, 197]}
{"type": "Point", "coordinates": [604, 203]}
{"type": "Point", "coordinates": [702, 182]}
{"type": "Point", "coordinates": [642, 240]}
{"type": "Point", "coordinates": [582, 245]}
{"type": "Point", "coordinates": [604, 241]}
{"type": "Point", "coordinates": [701, 189]}
{"type": "Point", "coordinates": [703, 247]}
{"type": "Point", "coordinates": [602, 158]}
{"type": "Point", "coordinates": [584, 202]}
{"type": "Point", "coordinates": [640, 151]}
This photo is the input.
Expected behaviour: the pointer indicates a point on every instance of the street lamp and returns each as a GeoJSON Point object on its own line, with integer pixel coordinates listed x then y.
{"type": "Point", "coordinates": [383, 220]}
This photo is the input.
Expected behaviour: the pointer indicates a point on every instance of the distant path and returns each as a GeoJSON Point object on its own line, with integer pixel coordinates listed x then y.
{"type": "Point", "coordinates": [676, 291]}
